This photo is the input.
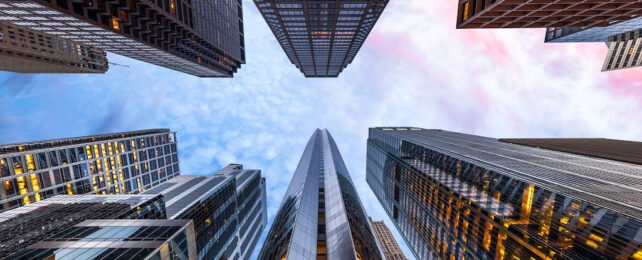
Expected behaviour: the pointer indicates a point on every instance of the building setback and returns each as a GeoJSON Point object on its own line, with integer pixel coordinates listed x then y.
{"type": "Point", "coordinates": [386, 241]}
{"type": "Point", "coordinates": [321, 216]}
{"type": "Point", "coordinates": [118, 163]}
{"type": "Point", "coordinates": [591, 34]}
{"type": "Point", "coordinates": [201, 38]}
{"type": "Point", "coordinates": [454, 195]}
{"type": "Point", "coordinates": [29, 51]}
{"type": "Point", "coordinates": [321, 37]}
{"type": "Point", "coordinates": [228, 208]}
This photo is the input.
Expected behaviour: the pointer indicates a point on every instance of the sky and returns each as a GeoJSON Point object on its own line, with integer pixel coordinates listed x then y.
{"type": "Point", "coordinates": [414, 69]}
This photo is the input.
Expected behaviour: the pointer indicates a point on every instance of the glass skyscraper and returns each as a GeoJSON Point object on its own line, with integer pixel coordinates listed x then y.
{"type": "Point", "coordinates": [22, 227]}
{"type": "Point", "coordinates": [321, 216]}
{"type": "Point", "coordinates": [228, 208]}
{"type": "Point", "coordinates": [455, 196]}
{"type": "Point", "coordinates": [321, 37]}
{"type": "Point", "coordinates": [118, 163]}
{"type": "Point", "coordinates": [199, 37]}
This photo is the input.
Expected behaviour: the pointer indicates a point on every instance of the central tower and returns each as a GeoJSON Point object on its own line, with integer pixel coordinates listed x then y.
{"type": "Point", "coordinates": [321, 216]}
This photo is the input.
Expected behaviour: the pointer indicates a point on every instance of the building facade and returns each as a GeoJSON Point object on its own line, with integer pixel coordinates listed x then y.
{"type": "Point", "coordinates": [321, 37]}
{"type": "Point", "coordinates": [386, 241]}
{"type": "Point", "coordinates": [321, 216]}
{"type": "Point", "coordinates": [228, 208]}
{"type": "Point", "coordinates": [454, 195]}
{"type": "Point", "coordinates": [119, 163]}
{"type": "Point", "coordinates": [625, 51]}
{"type": "Point", "coordinates": [542, 14]}
{"type": "Point", "coordinates": [31, 224]}
{"type": "Point", "coordinates": [30, 51]}
{"type": "Point", "coordinates": [591, 34]}
{"type": "Point", "coordinates": [201, 38]}
{"type": "Point", "coordinates": [117, 240]}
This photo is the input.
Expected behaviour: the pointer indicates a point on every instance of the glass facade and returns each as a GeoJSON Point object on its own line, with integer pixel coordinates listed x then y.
{"type": "Point", "coordinates": [120, 163]}
{"type": "Point", "coordinates": [591, 34]}
{"type": "Point", "coordinates": [228, 208]}
{"type": "Point", "coordinates": [30, 224]}
{"type": "Point", "coordinates": [117, 239]}
{"type": "Point", "coordinates": [321, 216]}
{"type": "Point", "coordinates": [198, 37]}
{"type": "Point", "coordinates": [456, 196]}
{"type": "Point", "coordinates": [321, 37]}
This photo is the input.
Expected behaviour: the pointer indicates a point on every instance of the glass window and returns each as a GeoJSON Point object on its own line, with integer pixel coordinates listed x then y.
{"type": "Point", "coordinates": [4, 169]}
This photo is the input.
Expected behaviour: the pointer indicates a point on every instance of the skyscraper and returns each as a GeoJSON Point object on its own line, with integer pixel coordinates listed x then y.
{"type": "Point", "coordinates": [112, 239]}
{"type": "Point", "coordinates": [386, 241]}
{"type": "Point", "coordinates": [201, 38]}
{"type": "Point", "coordinates": [118, 163]}
{"type": "Point", "coordinates": [30, 51]}
{"type": "Point", "coordinates": [228, 208]}
{"type": "Point", "coordinates": [625, 51]}
{"type": "Point", "coordinates": [321, 37]}
{"type": "Point", "coordinates": [321, 216]}
{"type": "Point", "coordinates": [454, 195]}
{"type": "Point", "coordinates": [25, 226]}
{"type": "Point", "coordinates": [542, 14]}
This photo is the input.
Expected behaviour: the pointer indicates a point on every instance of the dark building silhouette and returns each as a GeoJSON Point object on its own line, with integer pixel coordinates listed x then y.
{"type": "Point", "coordinates": [321, 37]}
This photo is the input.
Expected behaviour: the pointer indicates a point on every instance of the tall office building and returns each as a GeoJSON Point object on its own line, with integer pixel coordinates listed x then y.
{"type": "Point", "coordinates": [625, 51]}
{"type": "Point", "coordinates": [321, 37]}
{"type": "Point", "coordinates": [119, 163]}
{"type": "Point", "coordinates": [111, 239]}
{"type": "Point", "coordinates": [386, 241]}
{"type": "Point", "coordinates": [28, 225]}
{"type": "Point", "coordinates": [542, 14]}
{"type": "Point", "coordinates": [30, 51]}
{"type": "Point", "coordinates": [201, 38]}
{"type": "Point", "coordinates": [228, 208]}
{"type": "Point", "coordinates": [454, 195]}
{"type": "Point", "coordinates": [321, 216]}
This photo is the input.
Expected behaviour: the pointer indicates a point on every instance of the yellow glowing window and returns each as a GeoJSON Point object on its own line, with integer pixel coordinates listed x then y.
{"type": "Point", "coordinates": [26, 200]}
{"type": "Point", "coordinates": [465, 11]}
{"type": "Point", "coordinates": [564, 220]}
{"type": "Point", "coordinates": [69, 190]}
{"type": "Point", "coordinates": [115, 23]}
{"type": "Point", "coordinates": [321, 247]}
{"type": "Point", "coordinates": [34, 182]}
{"type": "Point", "coordinates": [638, 255]}
{"type": "Point", "coordinates": [591, 243]}
{"type": "Point", "coordinates": [596, 237]}
{"type": "Point", "coordinates": [631, 49]}
{"type": "Point", "coordinates": [172, 7]}
{"type": "Point", "coordinates": [207, 220]}
{"type": "Point", "coordinates": [30, 165]}
{"type": "Point", "coordinates": [37, 196]}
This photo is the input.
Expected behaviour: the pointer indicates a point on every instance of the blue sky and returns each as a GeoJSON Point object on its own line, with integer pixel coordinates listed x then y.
{"type": "Point", "coordinates": [415, 69]}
